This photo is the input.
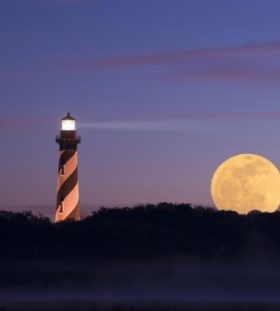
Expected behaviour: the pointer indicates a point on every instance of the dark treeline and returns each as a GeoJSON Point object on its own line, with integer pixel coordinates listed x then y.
{"type": "Point", "coordinates": [143, 232]}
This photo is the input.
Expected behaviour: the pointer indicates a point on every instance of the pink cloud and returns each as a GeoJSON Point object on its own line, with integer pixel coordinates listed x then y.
{"type": "Point", "coordinates": [238, 72]}
{"type": "Point", "coordinates": [22, 124]}
{"type": "Point", "coordinates": [254, 62]}
{"type": "Point", "coordinates": [181, 56]}
{"type": "Point", "coordinates": [47, 2]}
{"type": "Point", "coordinates": [246, 63]}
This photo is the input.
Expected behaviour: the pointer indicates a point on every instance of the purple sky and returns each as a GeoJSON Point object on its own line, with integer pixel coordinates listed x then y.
{"type": "Point", "coordinates": [163, 92]}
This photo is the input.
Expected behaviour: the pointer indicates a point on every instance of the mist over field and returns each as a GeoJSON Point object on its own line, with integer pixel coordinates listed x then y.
{"type": "Point", "coordinates": [147, 254]}
{"type": "Point", "coordinates": [128, 283]}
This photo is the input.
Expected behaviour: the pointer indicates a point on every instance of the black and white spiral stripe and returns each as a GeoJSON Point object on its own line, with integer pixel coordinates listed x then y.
{"type": "Point", "coordinates": [67, 205]}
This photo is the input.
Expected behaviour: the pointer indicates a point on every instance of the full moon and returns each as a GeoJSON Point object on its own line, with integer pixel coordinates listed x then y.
{"type": "Point", "coordinates": [246, 182]}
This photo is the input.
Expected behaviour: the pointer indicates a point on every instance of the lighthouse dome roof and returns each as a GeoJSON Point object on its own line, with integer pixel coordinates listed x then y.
{"type": "Point", "coordinates": [68, 117]}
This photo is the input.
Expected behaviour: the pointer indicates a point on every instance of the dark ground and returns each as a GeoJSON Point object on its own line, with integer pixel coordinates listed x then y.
{"type": "Point", "coordinates": [164, 257]}
{"type": "Point", "coordinates": [142, 307]}
{"type": "Point", "coordinates": [157, 285]}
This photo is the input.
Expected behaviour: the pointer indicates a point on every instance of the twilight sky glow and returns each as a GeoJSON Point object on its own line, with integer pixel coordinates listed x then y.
{"type": "Point", "coordinates": [163, 92]}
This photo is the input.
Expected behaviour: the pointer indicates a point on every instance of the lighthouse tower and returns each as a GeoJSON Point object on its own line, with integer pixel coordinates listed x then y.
{"type": "Point", "coordinates": [67, 204]}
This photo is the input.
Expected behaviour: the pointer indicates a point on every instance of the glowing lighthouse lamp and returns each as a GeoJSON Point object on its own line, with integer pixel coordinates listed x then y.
{"type": "Point", "coordinates": [67, 203]}
{"type": "Point", "coordinates": [68, 124]}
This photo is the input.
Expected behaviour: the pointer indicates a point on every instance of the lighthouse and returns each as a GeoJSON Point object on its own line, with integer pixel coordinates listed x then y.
{"type": "Point", "coordinates": [67, 203]}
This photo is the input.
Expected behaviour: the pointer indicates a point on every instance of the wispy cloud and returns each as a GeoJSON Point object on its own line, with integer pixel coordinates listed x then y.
{"type": "Point", "coordinates": [178, 56]}
{"type": "Point", "coordinates": [253, 62]}
{"type": "Point", "coordinates": [229, 73]}
{"type": "Point", "coordinates": [181, 56]}
{"type": "Point", "coordinates": [48, 2]}
{"type": "Point", "coordinates": [23, 124]}
{"type": "Point", "coordinates": [245, 63]}
{"type": "Point", "coordinates": [27, 75]}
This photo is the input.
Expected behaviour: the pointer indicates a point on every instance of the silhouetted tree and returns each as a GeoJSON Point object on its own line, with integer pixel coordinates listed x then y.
{"type": "Point", "coordinates": [146, 231]}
